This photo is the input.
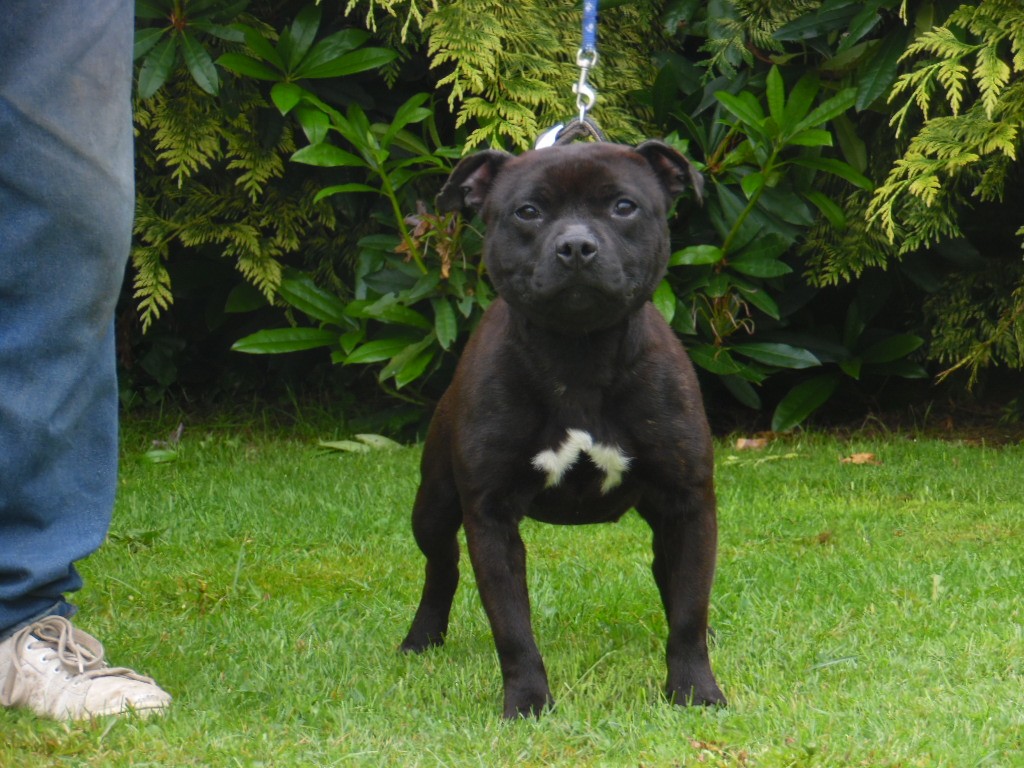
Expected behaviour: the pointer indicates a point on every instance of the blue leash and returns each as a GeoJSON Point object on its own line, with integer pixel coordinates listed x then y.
{"type": "Point", "coordinates": [586, 58]}
{"type": "Point", "coordinates": [589, 27]}
{"type": "Point", "coordinates": [586, 94]}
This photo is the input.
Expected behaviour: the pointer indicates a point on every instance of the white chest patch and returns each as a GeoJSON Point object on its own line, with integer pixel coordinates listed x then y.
{"type": "Point", "coordinates": [608, 458]}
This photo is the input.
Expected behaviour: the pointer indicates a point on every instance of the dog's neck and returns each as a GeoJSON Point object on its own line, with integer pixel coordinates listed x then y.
{"type": "Point", "coordinates": [596, 359]}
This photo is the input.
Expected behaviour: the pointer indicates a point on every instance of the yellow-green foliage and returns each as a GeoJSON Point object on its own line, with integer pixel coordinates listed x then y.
{"type": "Point", "coordinates": [972, 74]}
{"type": "Point", "coordinates": [835, 255]}
{"type": "Point", "coordinates": [738, 26]}
{"type": "Point", "coordinates": [969, 90]}
{"type": "Point", "coordinates": [507, 68]}
{"type": "Point", "coordinates": [977, 322]}
{"type": "Point", "coordinates": [211, 184]}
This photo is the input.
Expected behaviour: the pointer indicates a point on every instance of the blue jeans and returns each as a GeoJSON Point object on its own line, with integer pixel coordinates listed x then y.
{"type": "Point", "coordinates": [66, 205]}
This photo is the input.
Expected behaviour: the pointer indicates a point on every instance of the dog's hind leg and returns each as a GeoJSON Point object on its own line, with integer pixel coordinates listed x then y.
{"type": "Point", "coordinates": [436, 518]}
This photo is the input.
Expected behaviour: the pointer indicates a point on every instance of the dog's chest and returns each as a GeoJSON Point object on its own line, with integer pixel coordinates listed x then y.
{"type": "Point", "coordinates": [577, 450]}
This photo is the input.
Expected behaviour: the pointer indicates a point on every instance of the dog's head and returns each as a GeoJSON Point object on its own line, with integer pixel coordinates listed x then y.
{"type": "Point", "coordinates": [576, 235]}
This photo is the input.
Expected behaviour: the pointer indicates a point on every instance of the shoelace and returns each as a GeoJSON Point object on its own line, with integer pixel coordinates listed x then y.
{"type": "Point", "coordinates": [76, 650]}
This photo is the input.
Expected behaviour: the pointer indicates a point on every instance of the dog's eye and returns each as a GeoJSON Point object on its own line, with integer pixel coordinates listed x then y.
{"type": "Point", "coordinates": [625, 207]}
{"type": "Point", "coordinates": [527, 213]}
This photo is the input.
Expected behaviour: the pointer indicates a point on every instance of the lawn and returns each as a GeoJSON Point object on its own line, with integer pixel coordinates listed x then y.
{"type": "Point", "coordinates": [865, 615]}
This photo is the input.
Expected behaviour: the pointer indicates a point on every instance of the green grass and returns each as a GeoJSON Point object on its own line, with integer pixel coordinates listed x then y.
{"type": "Point", "coordinates": [865, 616]}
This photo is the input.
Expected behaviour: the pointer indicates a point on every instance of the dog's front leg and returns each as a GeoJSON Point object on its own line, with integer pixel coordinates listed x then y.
{"type": "Point", "coordinates": [499, 561]}
{"type": "Point", "coordinates": [685, 543]}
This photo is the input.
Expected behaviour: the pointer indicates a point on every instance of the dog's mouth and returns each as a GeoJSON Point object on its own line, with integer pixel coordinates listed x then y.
{"type": "Point", "coordinates": [582, 296]}
{"type": "Point", "coordinates": [579, 307]}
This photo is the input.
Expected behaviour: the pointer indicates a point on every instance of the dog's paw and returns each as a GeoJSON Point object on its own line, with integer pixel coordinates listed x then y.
{"type": "Point", "coordinates": [705, 694]}
{"type": "Point", "coordinates": [417, 642]}
{"type": "Point", "coordinates": [527, 703]}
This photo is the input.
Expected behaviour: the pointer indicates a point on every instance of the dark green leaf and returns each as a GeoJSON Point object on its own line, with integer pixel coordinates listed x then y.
{"type": "Point", "coordinates": [747, 110]}
{"type": "Point", "coordinates": [786, 205]}
{"type": "Point", "coordinates": [413, 144]}
{"type": "Point", "coordinates": [696, 254]}
{"type": "Point", "coordinates": [880, 71]}
{"type": "Point", "coordinates": [873, 293]}
{"type": "Point", "coordinates": [803, 400]}
{"type": "Point", "coordinates": [227, 11]}
{"type": "Point", "coordinates": [761, 299]}
{"type": "Point", "coordinates": [199, 64]}
{"type": "Point", "coordinates": [145, 39]}
{"type": "Point", "coordinates": [760, 267]}
{"type": "Point", "coordinates": [905, 369]}
{"type": "Point", "coordinates": [277, 340]}
{"type": "Point", "coordinates": [348, 341]}
{"type": "Point", "coordinates": [836, 168]}
{"type": "Point", "coordinates": [866, 20]}
{"type": "Point", "coordinates": [827, 110]}
{"type": "Point", "coordinates": [445, 326]}
{"type": "Point", "coordinates": [246, 65]}
{"type": "Point", "coordinates": [767, 247]}
{"type": "Point", "coordinates": [262, 47]}
{"type": "Point", "coordinates": [718, 285]}
{"type": "Point", "coordinates": [732, 206]}
{"type": "Point", "coordinates": [800, 100]}
{"type": "Point", "coordinates": [776, 95]}
{"type": "Point", "coordinates": [852, 367]}
{"type": "Point", "coordinates": [812, 137]}
{"type": "Point", "coordinates": [196, 8]}
{"type": "Point", "coordinates": [342, 189]}
{"type": "Point", "coordinates": [425, 286]}
{"type": "Point", "coordinates": [376, 351]}
{"type": "Point", "coordinates": [664, 301]}
{"type": "Point", "coordinates": [351, 63]}
{"type": "Point", "coordinates": [285, 96]}
{"type": "Point", "coordinates": [752, 183]}
{"type": "Point", "coordinates": [244, 297]}
{"type": "Point", "coordinates": [743, 391]}
{"type": "Point", "coordinates": [327, 156]}
{"type": "Point", "coordinates": [413, 369]}
{"type": "Point", "coordinates": [157, 67]}
{"type": "Point", "coordinates": [297, 39]}
{"type": "Point", "coordinates": [314, 122]}
{"type": "Point", "coordinates": [221, 31]}
{"type": "Point", "coordinates": [808, 26]}
{"type": "Point", "coordinates": [892, 348]}
{"type": "Point", "coordinates": [850, 144]}
{"type": "Point", "coordinates": [331, 47]}
{"type": "Point", "coordinates": [685, 323]}
{"type": "Point", "coordinates": [412, 111]}
{"type": "Point", "coordinates": [779, 355]}
{"type": "Point", "coordinates": [301, 292]}
{"type": "Point", "coordinates": [714, 359]}
{"type": "Point", "coordinates": [410, 357]}
{"type": "Point", "coordinates": [828, 208]}
{"type": "Point", "coordinates": [147, 9]}
{"type": "Point", "coordinates": [390, 311]}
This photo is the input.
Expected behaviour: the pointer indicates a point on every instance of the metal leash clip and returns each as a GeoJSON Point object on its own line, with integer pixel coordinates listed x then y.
{"type": "Point", "coordinates": [586, 94]}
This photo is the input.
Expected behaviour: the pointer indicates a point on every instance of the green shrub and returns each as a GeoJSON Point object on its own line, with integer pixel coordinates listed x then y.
{"type": "Point", "coordinates": [284, 139]}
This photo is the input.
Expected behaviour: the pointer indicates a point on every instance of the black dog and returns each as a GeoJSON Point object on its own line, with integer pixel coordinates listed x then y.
{"type": "Point", "coordinates": [573, 402]}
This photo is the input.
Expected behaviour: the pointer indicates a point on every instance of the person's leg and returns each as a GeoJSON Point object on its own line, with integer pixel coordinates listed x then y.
{"type": "Point", "coordinates": [66, 188]}
{"type": "Point", "coordinates": [66, 205]}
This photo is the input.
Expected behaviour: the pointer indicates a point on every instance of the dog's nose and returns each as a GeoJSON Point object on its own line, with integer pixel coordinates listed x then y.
{"type": "Point", "coordinates": [576, 247]}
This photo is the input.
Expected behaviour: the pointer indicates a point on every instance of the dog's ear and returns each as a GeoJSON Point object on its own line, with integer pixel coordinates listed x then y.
{"type": "Point", "coordinates": [471, 180]}
{"type": "Point", "coordinates": [673, 169]}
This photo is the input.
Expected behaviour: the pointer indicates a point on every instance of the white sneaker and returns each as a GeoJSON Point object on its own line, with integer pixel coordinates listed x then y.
{"type": "Point", "coordinates": [59, 672]}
